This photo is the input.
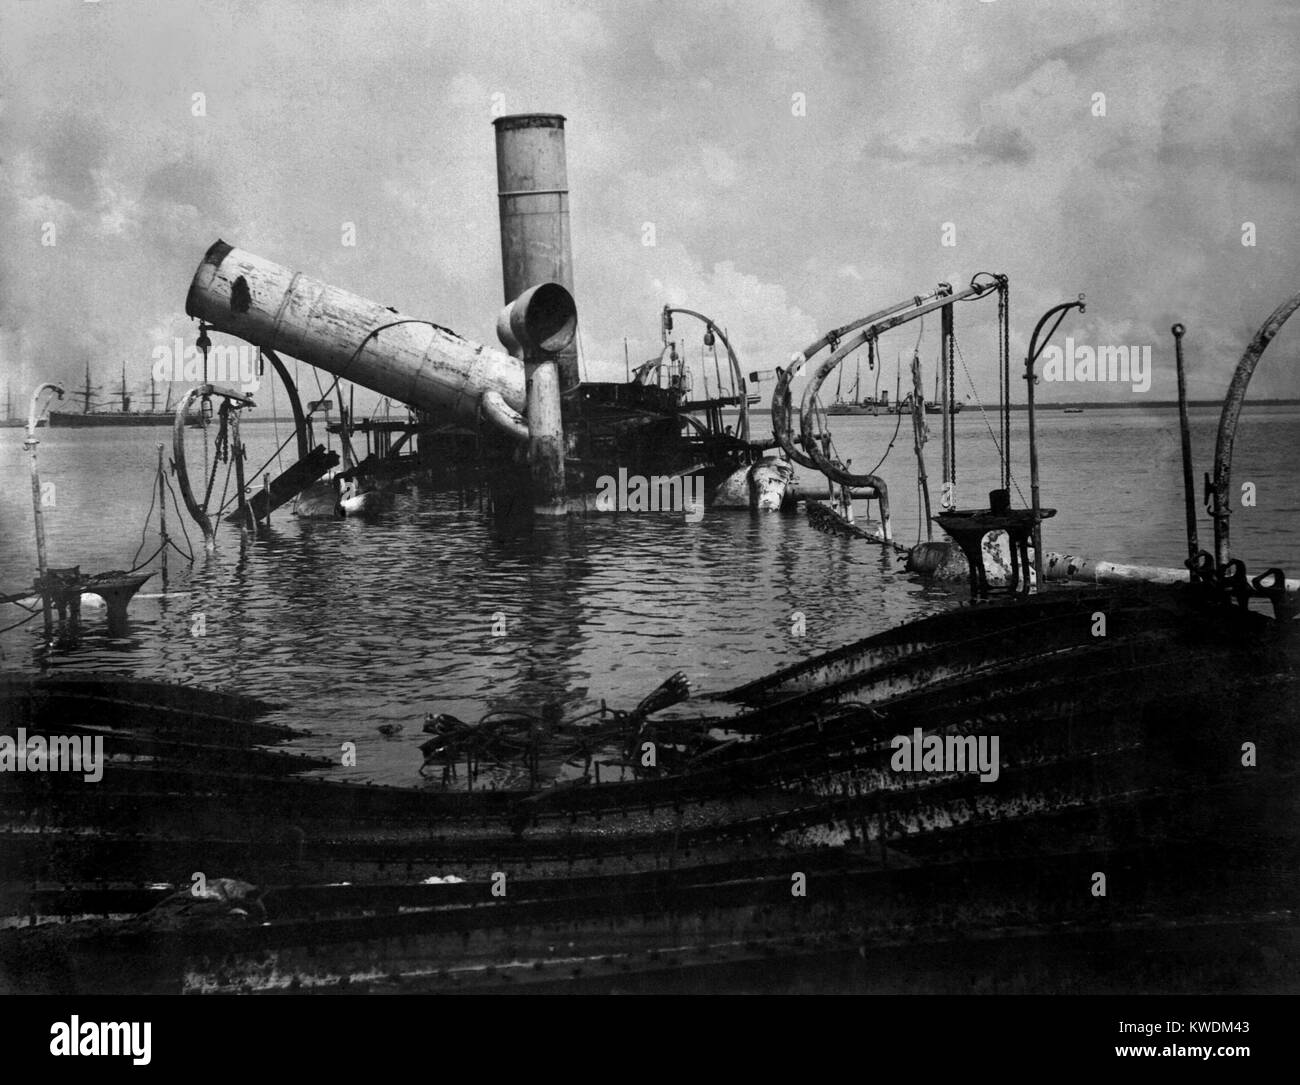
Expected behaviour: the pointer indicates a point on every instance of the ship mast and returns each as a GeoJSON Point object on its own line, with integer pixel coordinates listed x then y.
{"type": "Point", "coordinates": [85, 396]}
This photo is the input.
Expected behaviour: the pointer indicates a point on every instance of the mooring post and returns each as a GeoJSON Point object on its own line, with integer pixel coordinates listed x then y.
{"type": "Point", "coordinates": [162, 514]}
{"type": "Point", "coordinates": [1189, 486]}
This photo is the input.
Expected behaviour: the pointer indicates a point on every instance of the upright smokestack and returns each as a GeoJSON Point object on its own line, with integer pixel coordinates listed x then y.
{"type": "Point", "coordinates": [533, 190]}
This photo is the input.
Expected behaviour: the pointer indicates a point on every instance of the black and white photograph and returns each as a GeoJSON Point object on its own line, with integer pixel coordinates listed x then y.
{"type": "Point", "coordinates": [574, 497]}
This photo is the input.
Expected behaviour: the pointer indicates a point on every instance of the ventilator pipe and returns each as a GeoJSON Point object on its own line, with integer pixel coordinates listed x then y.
{"type": "Point", "coordinates": [537, 326]}
{"type": "Point", "coordinates": [1227, 435]}
{"type": "Point", "coordinates": [415, 361]}
{"type": "Point", "coordinates": [542, 320]}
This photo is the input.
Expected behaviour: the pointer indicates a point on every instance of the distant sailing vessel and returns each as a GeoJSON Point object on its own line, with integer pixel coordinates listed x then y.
{"type": "Point", "coordinates": [124, 417]}
{"type": "Point", "coordinates": [9, 421]}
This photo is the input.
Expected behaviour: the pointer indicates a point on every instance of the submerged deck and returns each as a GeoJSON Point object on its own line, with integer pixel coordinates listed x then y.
{"type": "Point", "coordinates": [776, 836]}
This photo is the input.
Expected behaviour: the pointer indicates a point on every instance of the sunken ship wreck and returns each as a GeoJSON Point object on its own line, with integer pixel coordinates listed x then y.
{"type": "Point", "coordinates": [1060, 786]}
{"type": "Point", "coordinates": [1122, 815]}
{"type": "Point", "coordinates": [516, 421]}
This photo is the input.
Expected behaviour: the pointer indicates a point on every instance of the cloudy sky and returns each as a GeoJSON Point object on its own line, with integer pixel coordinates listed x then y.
{"type": "Point", "coordinates": [777, 220]}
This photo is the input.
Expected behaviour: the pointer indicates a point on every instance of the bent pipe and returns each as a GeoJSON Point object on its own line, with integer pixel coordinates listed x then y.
{"type": "Point", "coordinates": [33, 415]}
{"type": "Point", "coordinates": [737, 375]}
{"type": "Point", "coordinates": [833, 338]}
{"type": "Point", "coordinates": [803, 491]}
{"type": "Point", "coordinates": [742, 438]}
{"type": "Point", "coordinates": [417, 362]}
{"type": "Point", "coordinates": [505, 417]}
{"type": "Point", "coordinates": [783, 408]}
{"type": "Point", "coordinates": [295, 404]}
{"type": "Point", "coordinates": [1232, 404]}
{"type": "Point", "coordinates": [178, 454]}
{"type": "Point", "coordinates": [832, 470]}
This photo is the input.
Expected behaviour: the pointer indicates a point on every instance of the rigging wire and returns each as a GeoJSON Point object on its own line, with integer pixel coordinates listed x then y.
{"type": "Point", "coordinates": [899, 424]}
{"type": "Point", "coordinates": [275, 422]}
{"type": "Point", "coordinates": [153, 498]}
{"type": "Point", "coordinates": [176, 505]}
{"type": "Point", "coordinates": [984, 415]}
{"type": "Point", "coordinates": [22, 621]}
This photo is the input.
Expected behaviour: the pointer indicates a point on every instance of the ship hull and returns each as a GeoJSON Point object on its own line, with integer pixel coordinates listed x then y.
{"type": "Point", "coordinates": [72, 420]}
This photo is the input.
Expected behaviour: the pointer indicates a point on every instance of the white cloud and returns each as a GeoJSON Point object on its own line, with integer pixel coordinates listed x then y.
{"type": "Point", "coordinates": [919, 112]}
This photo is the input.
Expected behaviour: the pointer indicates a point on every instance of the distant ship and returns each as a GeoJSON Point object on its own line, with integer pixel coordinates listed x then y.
{"type": "Point", "coordinates": [881, 404]}
{"type": "Point", "coordinates": [864, 406]}
{"type": "Point", "coordinates": [904, 406]}
{"type": "Point", "coordinates": [9, 421]}
{"type": "Point", "coordinates": [123, 417]}
{"type": "Point", "coordinates": [877, 404]}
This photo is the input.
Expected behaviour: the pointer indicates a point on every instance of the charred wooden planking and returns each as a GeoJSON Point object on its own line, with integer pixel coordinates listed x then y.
{"type": "Point", "coordinates": [863, 905]}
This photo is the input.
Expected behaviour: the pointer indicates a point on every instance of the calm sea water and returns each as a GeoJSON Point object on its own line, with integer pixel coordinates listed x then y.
{"type": "Point", "coordinates": [351, 624]}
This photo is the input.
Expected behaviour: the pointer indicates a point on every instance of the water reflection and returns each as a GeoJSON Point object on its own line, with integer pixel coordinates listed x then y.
{"type": "Point", "coordinates": [355, 624]}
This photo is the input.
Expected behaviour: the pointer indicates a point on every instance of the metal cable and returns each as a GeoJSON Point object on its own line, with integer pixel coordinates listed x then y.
{"type": "Point", "coordinates": [23, 621]}
{"type": "Point", "coordinates": [1006, 465]}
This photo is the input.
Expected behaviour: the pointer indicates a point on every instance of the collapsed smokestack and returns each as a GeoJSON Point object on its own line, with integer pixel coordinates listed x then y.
{"type": "Point", "coordinates": [533, 193]}
{"type": "Point", "coordinates": [413, 361]}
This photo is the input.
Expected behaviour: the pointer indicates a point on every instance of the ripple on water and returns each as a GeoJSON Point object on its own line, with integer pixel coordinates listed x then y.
{"type": "Point", "coordinates": [351, 624]}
